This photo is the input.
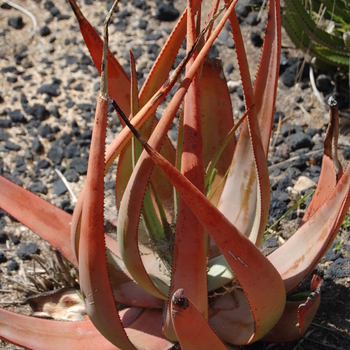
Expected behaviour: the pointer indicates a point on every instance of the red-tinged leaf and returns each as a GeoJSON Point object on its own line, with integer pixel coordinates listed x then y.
{"type": "Point", "coordinates": [132, 200]}
{"type": "Point", "coordinates": [118, 80]}
{"type": "Point", "coordinates": [265, 86]}
{"type": "Point", "coordinates": [164, 62]}
{"type": "Point", "coordinates": [49, 222]}
{"type": "Point", "coordinates": [258, 278]}
{"type": "Point", "coordinates": [331, 170]}
{"type": "Point", "coordinates": [192, 329]}
{"type": "Point", "coordinates": [93, 272]}
{"type": "Point", "coordinates": [231, 317]}
{"type": "Point", "coordinates": [297, 257]}
{"type": "Point", "coordinates": [216, 101]}
{"type": "Point", "coordinates": [296, 319]}
{"type": "Point", "coordinates": [248, 171]}
{"type": "Point", "coordinates": [189, 271]}
{"type": "Point", "coordinates": [40, 334]}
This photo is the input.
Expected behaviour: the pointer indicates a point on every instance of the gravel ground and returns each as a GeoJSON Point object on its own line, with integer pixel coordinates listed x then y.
{"type": "Point", "coordinates": [48, 90]}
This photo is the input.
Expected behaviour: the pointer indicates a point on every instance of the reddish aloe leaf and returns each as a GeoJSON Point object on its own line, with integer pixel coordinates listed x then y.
{"type": "Point", "coordinates": [230, 315]}
{"type": "Point", "coordinates": [331, 170]}
{"type": "Point", "coordinates": [118, 81]}
{"type": "Point", "coordinates": [188, 269]}
{"type": "Point", "coordinates": [296, 258]}
{"type": "Point", "coordinates": [40, 334]}
{"type": "Point", "coordinates": [93, 272]}
{"type": "Point", "coordinates": [248, 171]}
{"type": "Point", "coordinates": [265, 85]}
{"type": "Point", "coordinates": [296, 317]}
{"type": "Point", "coordinates": [192, 329]}
{"type": "Point", "coordinates": [38, 215]}
{"type": "Point", "coordinates": [260, 281]}
{"type": "Point", "coordinates": [216, 101]}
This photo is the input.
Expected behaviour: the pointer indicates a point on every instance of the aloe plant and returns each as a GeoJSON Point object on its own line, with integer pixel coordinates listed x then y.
{"type": "Point", "coordinates": [185, 267]}
{"type": "Point", "coordinates": [321, 29]}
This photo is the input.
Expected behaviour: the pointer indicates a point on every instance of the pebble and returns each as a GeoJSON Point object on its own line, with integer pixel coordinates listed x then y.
{"type": "Point", "coordinates": [166, 13]}
{"type": "Point", "coordinates": [16, 22]}
{"type": "Point", "coordinates": [45, 31]}
{"type": "Point", "coordinates": [299, 140]}
{"type": "Point", "coordinates": [38, 187]}
{"type": "Point", "coordinates": [59, 188]}
{"type": "Point", "coordinates": [2, 257]}
{"type": "Point", "coordinates": [25, 250]}
{"type": "Point", "coordinates": [80, 165]}
{"type": "Point", "coordinates": [256, 39]}
{"type": "Point", "coordinates": [17, 117]}
{"type": "Point", "coordinates": [12, 266]}
{"type": "Point", "coordinates": [339, 269]}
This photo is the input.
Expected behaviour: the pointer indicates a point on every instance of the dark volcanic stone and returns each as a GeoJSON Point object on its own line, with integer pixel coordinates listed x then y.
{"type": "Point", "coordinates": [2, 257]}
{"type": "Point", "coordinates": [16, 22]}
{"type": "Point", "coordinates": [55, 154]}
{"type": "Point", "coordinates": [44, 130]}
{"type": "Point", "coordinates": [5, 123]}
{"type": "Point", "coordinates": [3, 237]}
{"type": "Point", "coordinates": [346, 153]}
{"type": "Point", "coordinates": [339, 269]}
{"type": "Point", "coordinates": [45, 31]}
{"type": "Point", "coordinates": [166, 13]}
{"type": "Point", "coordinates": [37, 147]}
{"type": "Point", "coordinates": [252, 19]}
{"type": "Point", "coordinates": [26, 249]}
{"type": "Point", "coordinates": [50, 89]}
{"type": "Point", "coordinates": [38, 187]}
{"type": "Point", "coordinates": [80, 165]}
{"type": "Point", "coordinates": [323, 83]}
{"type": "Point", "coordinates": [17, 117]}
{"type": "Point", "coordinates": [255, 38]}
{"type": "Point", "coordinates": [39, 112]}
{"type": "Point", "coordinates": [71, 175]}
{"type": "Point", "coordinates": [59, 188]}
{"type": "Point", "coordinates": [72, 151]}
{"type": "Point", "coordinates": [12, 146]}
{"type": "Point", "coordinates": [299, 140]}
{"type": "Point", "coordinates": [42, 164]}
{"type": "Point", "coordinates": [12, 266]}
{"type": "Point", "coordinates": [331, 254]}
{"type": "Point", "coordinates": [277, 209]}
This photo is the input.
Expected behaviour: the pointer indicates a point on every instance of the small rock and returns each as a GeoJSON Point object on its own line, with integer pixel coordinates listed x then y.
{"type": "Point", "coordinates": [339, 269]}
{"type": "Point", "coordinates": [80, 165]}
{"type": "Point", "coordinates": [331, 254]}
{"type": "Point", "coordinates": [299, 140]}
{"type": "Point", "coordinates": [233, 85]}
{"type": "Point", "coordinates": [2, 257]}
{"type": "Point", "coordinates": [39, 112]}
{"type": "Point", "coordinates": [45, 31]}
{"type": "Point", "coordinates": [323, 83]}
{"type": "Point", "coordinates": [12, 146]}
{"type": "Point", "coordinates": [346, 153]}
{"type": "Point", "coordinates": [166, 13]}
{"type": "Point", "coordinates": [59, 188]}
{"type": "Point", "coordinates": [71, 175]}
{"type": "Point", "coordinates": [303, 184]}
{"type": "Point", "coordinates": [55, 154]}
{"type": "Point", "coordinates": [12, 266]}
{"type": "Point", "coordinates": [3, 237]}
{"type": "Point", "coordinates": [256, 40]}
{"type": "Point", "coordinates": [37, 147]}
{"type": "Point", "coordinates": [50, 89]}
{"type": "Point", "coordinates": [25, 250]}
{"type": "Point", "coordinates": [38, 187]}
{"type": "Point", "coordinates": [16, 22]}
{"type": "Point", "coordinates": [17, 117]}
